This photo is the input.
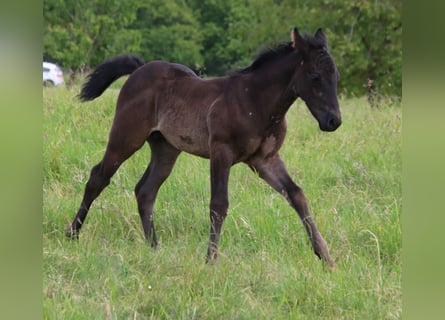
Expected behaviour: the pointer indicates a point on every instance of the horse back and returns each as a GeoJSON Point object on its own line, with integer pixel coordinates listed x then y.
{"type": "Point", "coordinates": [171, 99]}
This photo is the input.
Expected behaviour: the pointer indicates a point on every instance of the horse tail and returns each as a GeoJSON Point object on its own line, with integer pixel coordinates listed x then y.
{"type": "Point", "coordinates": [106, 73]}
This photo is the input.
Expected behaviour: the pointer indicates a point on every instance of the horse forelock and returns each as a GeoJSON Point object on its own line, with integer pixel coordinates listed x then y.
{"type": "Point", "coordinates": [323, 58]}
{"type": "Point", "coordinates": [325, 61]}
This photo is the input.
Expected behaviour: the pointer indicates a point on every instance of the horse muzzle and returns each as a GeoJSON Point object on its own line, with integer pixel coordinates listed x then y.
{"type": "Point", "coordinates": [330, 122]}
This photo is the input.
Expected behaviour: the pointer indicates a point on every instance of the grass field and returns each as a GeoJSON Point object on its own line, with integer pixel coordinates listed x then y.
{"type": "Point", "coordinates": [266, 268]}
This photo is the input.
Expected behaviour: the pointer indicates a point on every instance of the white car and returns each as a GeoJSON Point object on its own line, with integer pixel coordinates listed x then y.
{"type": "Point", "coordinates": [52, 74]}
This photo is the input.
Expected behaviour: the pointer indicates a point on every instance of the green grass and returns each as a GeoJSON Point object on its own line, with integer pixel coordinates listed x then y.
{"type": "Point", "coordinates": [266, 268]}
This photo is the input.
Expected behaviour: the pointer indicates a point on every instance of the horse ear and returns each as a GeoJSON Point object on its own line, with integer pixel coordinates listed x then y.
{"type": "Point", "coordinates": [320, 35]}
{"type": "Point", "coordinates": [297, 40]}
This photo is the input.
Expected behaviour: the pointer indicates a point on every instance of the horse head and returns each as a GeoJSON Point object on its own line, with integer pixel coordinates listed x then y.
{"type": "Point", "coordinates": [315, 80]}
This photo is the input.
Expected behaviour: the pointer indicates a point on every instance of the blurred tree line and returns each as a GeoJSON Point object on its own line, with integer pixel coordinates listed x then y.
{"type": "Point", "coordinates": [215, 36]}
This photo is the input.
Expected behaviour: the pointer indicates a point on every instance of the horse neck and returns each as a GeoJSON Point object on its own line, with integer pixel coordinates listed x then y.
{"type": "Point", "coordinates": [273, 87]}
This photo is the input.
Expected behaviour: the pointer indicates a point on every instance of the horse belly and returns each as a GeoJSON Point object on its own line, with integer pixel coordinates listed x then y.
{"type": "Point", "coordinates": [186, 132]}
{"type": "Point", "coordinates": [190, 142]}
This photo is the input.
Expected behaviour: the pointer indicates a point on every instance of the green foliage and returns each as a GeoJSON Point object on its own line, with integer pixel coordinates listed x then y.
{"type": "Point", "coordinates": [79, 34]}
{"type": "Point", "coordinates": [213, 20]}
{"type": "Point", "coordinates": [266, 269]}
{"type": "Point", "coordinates": [170, 32]}
{"type": "Point", "coordinates": [366, 40]}
{"type": "Point", "coordinates": [215, 36]}
{"type": "Point", "coordinates": [251, 27]}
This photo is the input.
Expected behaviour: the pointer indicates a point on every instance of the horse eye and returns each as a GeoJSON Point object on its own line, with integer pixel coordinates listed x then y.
{"type": "Point", "coordinates": [315, 77]}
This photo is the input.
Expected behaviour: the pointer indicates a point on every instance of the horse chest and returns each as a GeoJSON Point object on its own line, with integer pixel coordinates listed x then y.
{"type": "Point", "coordinates": [258, 146]}
{"type": "Point", "coordinates": [269, 146]}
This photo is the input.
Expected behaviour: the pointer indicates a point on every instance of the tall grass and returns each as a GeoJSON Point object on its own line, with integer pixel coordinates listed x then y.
{"type": "Point", "coordinates": [266, 268]}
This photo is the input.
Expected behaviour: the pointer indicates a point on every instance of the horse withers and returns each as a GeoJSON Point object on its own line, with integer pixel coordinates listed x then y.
{"type": "Point", "coordinates": [235, 118]}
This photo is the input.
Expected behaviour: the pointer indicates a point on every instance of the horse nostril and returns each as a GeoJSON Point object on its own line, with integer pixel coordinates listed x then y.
{"type": "Point", "coordinates": [334, 123]}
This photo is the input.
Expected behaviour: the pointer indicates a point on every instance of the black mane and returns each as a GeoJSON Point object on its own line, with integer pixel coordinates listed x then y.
{"type": "Point", "coordinates": [267, 55]}
{"type": "Point", "coordinates": [270, 54]}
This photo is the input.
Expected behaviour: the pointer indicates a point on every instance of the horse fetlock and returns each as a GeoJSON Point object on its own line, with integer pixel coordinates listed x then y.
{"type": "Point", "coordinates": [154, 238]}
{"type": "Point", "coordinates": [154, 243]}
{"type": "Point", "coordinates": [212, 252]}
{"type": "Point", "coordinates": [72, 233]}
{"type": "Point", "coordinates": [322, 251]}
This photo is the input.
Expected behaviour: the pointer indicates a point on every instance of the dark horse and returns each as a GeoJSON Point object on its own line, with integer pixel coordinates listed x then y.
{"type": "Point", "coordinates": [230, 119]}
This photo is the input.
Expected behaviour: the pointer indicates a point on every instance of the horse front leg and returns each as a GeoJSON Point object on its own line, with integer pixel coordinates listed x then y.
{"type": "Point", "coordinates": [221, 159]}
{"type": "Point", "coordinates": [274, 172]}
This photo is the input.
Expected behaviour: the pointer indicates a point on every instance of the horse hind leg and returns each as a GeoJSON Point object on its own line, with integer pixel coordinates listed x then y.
{"type": "Point", "coordinates": [124, 141]}
{"type": "Point", "coordinates": [99, 179]}
{"type": "Point", "coordinates": [163, 158]}
{"type": "Point", "coordinates": [141, 182]}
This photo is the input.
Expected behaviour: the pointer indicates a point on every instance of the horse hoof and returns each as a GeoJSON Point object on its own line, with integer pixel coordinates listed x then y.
{"type": "Point", "coordinates": [330, 264]}
{"type": "Point", "coordinates": [72, 234]}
